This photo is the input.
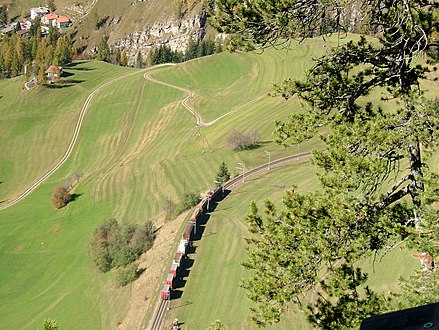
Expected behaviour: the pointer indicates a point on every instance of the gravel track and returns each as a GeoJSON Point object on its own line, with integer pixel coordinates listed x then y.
{"type": "Point", "coordinates": [72, 142]}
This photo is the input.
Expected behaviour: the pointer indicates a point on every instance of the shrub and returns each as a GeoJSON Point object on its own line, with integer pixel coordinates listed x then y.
{"type": "Point", "coordinates": [49, 324]}
{"type": "Point", "coordinates": [243, 140]}
{"type": "Point", "coordinates": [60, 197]}
{"type": "Point", "coordinates": [189, 199]}
{"type": "Point", "coordinates": [118, 245]}
{"type": "Point", "coordinates": [127, 275]}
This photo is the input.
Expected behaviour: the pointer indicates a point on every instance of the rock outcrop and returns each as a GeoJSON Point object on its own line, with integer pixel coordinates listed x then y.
{"type": "Point", "coordinates": [175, 34]}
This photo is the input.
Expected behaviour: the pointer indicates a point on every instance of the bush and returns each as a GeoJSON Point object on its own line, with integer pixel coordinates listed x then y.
{"type": "Point", "coordinates": [118, 245]}
{"type": "Point", "coordinates": [127, 275]}
{"type": "Point", "coordinates": [49, 324]}
{"type": "Point", "coordinates": [243, 140]}
{"type": "Point", "coordinates": [60, 197]}
{"type": "Point", "coordinates": [189, 200]}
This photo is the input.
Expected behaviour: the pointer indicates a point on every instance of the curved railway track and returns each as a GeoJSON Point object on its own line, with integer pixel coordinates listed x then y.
{"type": "Point", "coordinates": [263, 168]}
{"type": "Point", "coordinates": [159, 315]}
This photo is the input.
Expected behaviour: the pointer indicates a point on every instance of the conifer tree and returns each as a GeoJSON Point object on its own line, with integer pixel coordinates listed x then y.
{"type": "Point", "coordinates": [104, 50]}
{"type": "Point", "coordinates": [63, 51]}
{"type": "Point", "coordinates": [3, 14]}
{"type": "Point", "coordinates": [223, 174]}
{"type": "Point", "coordinates": [354, 214]}
{"type": "Point", "coordinates": [51, 5]}
{"type": "Point", "coordinates": [191, 50]}
{"type": "Point", "coordinates": [117, 56]}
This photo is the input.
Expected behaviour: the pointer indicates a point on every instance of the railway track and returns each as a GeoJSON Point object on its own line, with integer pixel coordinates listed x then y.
{"type": "Point", "coordinates": [159, 315]}
{"type": "Point", "coordinates": [158, 318]}
{"type": "Point", "coordinates": [263, 168]}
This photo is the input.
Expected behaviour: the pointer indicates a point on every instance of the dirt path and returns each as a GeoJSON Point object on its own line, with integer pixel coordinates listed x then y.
{"type": "Point", "coordinates": [92, 5]}
{"type": "Point", "coordinates": [190, 94]}
{"type": "Point", "coordinates": [72, 142]}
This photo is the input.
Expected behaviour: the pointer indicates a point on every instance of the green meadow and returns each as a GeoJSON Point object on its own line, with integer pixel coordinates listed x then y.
{"type": "Point", "coordinates": [138, 147]}
{"type": "Point", "coordinates": [212, 290]}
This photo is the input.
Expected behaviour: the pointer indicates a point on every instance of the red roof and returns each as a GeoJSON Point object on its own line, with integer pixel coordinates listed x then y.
{"type": "Point", "coordinates": [50, 16]}
{"type": "Point", "coordinates": [54, 69]}
{"type": "Point", "coordinates": [62, 19]}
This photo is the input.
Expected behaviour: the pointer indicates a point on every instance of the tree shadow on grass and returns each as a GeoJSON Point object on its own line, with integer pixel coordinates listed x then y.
{"type": "Point", "coordinates": [74, 197]}
{"type": "Point", "coordinates": [74, 64]}
{"type": "Point", "coordinates": [82, 69]}
{"type": "Point", "coordinates": [66, 74]}
{"type": "Point", "coordinates": [64, 83]}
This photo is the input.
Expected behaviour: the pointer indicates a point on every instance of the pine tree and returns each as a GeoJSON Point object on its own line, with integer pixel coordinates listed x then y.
{"type": "Point", "coordinates": [7, 55]}
{"type": "Point", "coordinates": [117, 56]}
{"type": "Point", "coordinates": [53, 35]}
{"type": "Point", "coordinates": [3, 14]}
{"type": "Point", "coordinates": [191, 50]}
{"type": "Point", "coordinates": [17, 27]}
{"type": "Point", "coordinates": [223, 174]}
{"type": "Point", "coordinates": [104, 50]}
{"type": "Point", "coordinates": [354, 214]}
{"type": "Point", "coordinates": [15, 64]}
{"type": "Point", "coordinates": [51, 5]}
{"type": "Point", "coordinates": [40, 62]}
{"type": "Point", "coordinates": [63, 51]}
{"type": "Point", "coordinates": [35, 29]}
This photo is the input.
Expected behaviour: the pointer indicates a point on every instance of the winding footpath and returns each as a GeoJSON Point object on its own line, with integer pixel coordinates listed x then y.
{"type": "Point", "coordinates": [190, 94]}
{"type": "Point", "coordinates": [72, 142]}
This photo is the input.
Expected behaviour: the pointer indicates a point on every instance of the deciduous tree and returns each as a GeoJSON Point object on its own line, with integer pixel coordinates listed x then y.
{"type": "Point", "coordinates": [60, 197]}
{"type": "Point", "coordinates": [368, 146]}
{"type": "Point", "coordinates": [139, 60]}
{"type": "Point", "coordinates": [123, 58]}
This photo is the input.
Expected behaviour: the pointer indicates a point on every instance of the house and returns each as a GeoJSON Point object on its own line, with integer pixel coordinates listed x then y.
{"type": "Point", "coordinates": [26, 25]}
{"type": "Point", "coordinates": [62, 22]}
{"type": "Point", "coordinates": [49, 19]}
{"type": "Point", "coordinates": [38, 12]}
{"type": "Point", "coordinates": [9, 29]}
{"type": "Point", "coordinates": [54, 72]}
{"type": "Point", "coordinates": [22, 32]}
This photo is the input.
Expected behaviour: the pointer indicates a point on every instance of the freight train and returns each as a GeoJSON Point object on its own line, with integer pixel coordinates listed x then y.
{"type": "Point", "coordinates": [187, 236]}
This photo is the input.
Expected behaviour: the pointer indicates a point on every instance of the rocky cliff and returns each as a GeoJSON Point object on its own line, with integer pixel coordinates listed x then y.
{"type": "Point", "coordinates": [138, 26]}
{"type": "Point", "coordinates": [175, 34]}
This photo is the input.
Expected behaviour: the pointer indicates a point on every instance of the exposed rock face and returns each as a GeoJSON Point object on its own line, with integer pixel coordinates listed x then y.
{"type": "Point", "coordinates": [175, 34]}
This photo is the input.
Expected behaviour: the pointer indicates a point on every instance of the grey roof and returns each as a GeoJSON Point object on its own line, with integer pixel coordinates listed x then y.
{"type": "Point", "coordinates": [40, 10]}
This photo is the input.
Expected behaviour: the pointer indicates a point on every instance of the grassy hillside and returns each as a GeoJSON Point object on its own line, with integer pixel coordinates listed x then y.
{"type": "Point", "coordinates": [39, 124]}
{"type": "Point", "coordinates": [137, 148]}
{"type": "Point", "coordinates": [212, 290]}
